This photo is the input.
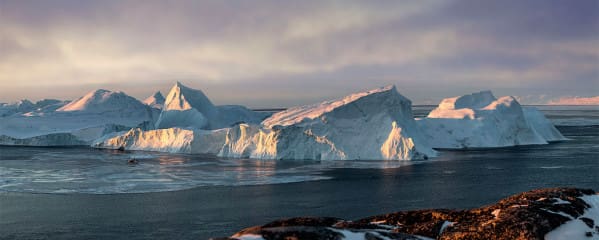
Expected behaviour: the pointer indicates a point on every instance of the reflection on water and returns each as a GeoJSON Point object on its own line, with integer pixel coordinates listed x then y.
{"type": "Point", "coordinates": [83, 170]}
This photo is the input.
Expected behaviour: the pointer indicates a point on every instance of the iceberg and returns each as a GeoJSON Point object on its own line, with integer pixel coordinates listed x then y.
{"type": "Point", "coordinates": [190, 108]}
{"type": "Point", "coordinates": [480, 120]}
{"type": "Point", "coordinates": [27, 107]}
{"type": "Point", "coordinates": [80, 122]}
{"type": "Point", "coordinates": [543, 126]}
{"type": "Point", "coordinates": [155, 101]}
{"type": "Point", "coordinates": [375, 124]}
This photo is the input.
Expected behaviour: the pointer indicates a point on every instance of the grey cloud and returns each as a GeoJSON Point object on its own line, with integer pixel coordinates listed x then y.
{"type": "Point", "coordinates": [302, 50]}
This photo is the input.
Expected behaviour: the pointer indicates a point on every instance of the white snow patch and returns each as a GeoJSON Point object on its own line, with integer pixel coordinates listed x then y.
{"type": "Point", "coordinates": [248, 237]}
{"type": "Point", "coordinates": [558, 213]}
{"type": "Point", "coordinates": [560, 201]}
{"type": "Point", "coordinates": [576, 229]}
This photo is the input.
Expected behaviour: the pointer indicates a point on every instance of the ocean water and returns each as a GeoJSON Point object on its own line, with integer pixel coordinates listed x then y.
{"type": "Point", "coordinates": [79, 193]}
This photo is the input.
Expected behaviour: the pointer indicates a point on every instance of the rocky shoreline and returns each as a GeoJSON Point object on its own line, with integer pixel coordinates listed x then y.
{"type": "Point", "coordinates": [535, 214]}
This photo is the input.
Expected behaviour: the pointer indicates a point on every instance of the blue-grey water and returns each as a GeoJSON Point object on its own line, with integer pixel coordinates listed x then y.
{"type": "Point", "coordinates": [81, 193]}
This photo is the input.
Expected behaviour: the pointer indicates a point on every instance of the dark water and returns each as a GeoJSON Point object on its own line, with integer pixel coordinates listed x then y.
{"type": "Point", "coordinates": [457, 179]}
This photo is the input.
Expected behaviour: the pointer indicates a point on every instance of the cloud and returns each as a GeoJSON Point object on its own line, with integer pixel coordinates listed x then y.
{"type": "Point", "coordinates": [305, 49]}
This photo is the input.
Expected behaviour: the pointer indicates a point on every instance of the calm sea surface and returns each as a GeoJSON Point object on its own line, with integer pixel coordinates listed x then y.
{"type": "Point", "coordinates": [81, 193]}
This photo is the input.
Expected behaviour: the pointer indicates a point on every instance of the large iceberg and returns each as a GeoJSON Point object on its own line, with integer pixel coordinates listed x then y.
{"type": "Point", "coordinates": [375, 124]}
{"type": "Point", "coordinates": [190, 108]}
{"type": "Point", "coordinates": [480, 120]}
{"type": "Point", "coordinates": [80, 122]}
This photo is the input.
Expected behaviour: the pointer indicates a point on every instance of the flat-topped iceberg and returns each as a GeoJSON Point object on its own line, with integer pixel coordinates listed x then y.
{"type": "Point", "coordinates": [375, 124]}
{"type": "Point", "coordinates": [480, 120]}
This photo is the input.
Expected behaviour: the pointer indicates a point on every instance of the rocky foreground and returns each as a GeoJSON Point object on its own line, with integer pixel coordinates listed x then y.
{"type": "Point", "coordinates": [555, 213]}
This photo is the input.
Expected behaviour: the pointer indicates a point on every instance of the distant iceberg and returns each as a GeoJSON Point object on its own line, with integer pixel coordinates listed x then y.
{"type": "Point", "coordinates": [80, 122]}
{"type": "Point", "coordinates": [480, 120]}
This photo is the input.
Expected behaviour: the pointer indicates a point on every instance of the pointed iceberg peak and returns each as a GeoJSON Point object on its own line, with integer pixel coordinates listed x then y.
{"type": "Point", "coordinates": [155, 101]}
{"type": "Point", "coordinates": [181, 97]}
{"type": "Point", "coordinates": [186, 107]}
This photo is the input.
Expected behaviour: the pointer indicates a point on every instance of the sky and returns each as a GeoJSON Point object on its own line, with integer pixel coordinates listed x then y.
{"type": "Point", "coordinates": [281, 53]}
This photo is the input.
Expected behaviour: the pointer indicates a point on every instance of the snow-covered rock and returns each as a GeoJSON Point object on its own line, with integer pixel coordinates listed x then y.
{"type": "Point", "coordinates": [155, 101]}
{"type": "Point", "coordinates": [480, 120]}
{"type": "Point", "coordinates": [375, 124]}
{"type": "Point", "coordinates": [79, 122]}
{"type": "Point", "coordinates": [190, 108]}
{"type": "Point", "coordinates": [553, 213]}
{"type": "Point", "coordinates": [581, 227]}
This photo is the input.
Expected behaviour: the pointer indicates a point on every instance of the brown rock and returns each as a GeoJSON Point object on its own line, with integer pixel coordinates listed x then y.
{"type": "Point", "coordinates": [528, 215]}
